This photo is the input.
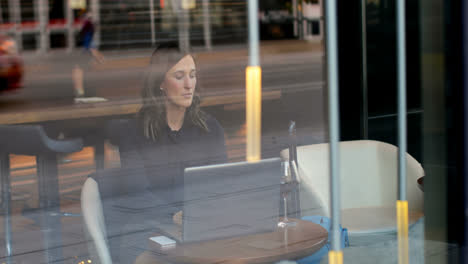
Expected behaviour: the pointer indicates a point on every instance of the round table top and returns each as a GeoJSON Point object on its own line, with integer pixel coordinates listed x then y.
{"type": "Point", "coordinates": [284, 243]}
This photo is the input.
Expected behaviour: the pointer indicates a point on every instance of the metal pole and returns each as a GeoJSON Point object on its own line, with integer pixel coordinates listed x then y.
{"type": "Point", "coordinates": [186, 23]}
{"type": "Point", "coordinates": [6, 202]}
{"type": "Point", "coordinates": [333, 110]}
{"type": "Point", "coordinates": [176, 9]}
{"type": "Point", "coordinates": [294, 8]}
{"type": "Point", "coordinates": [402, 203]}
{"type": "Point", "coordinates": [11, 11]}
{"type": "Point", "coordinates": [70, 27]}
{"type": "Point", "coordinates": [43, 22]}
{"type": "Point", "coordinates": [253, 33]}
{"type": "Point", "coordinates": [401, 100]}
{"type": "Point", "coordinates": [97, 22]}
{"type": "Point", "coordinates": [183, 21]}
{"type": "Point", "coordinates": [153, 32]}
{"type": "Point", "coordinates": [365, 113]}
{"type": "Point", "coordinates": [301, 19]}
{"type": "Point", "coordinates": [206, 24]}
{"type": "Point", "coordinates": [15, 18]}
{"type": "Point", "coordinates": [321, 19]}
{"type": "Point", "coordinates": [180, 29]}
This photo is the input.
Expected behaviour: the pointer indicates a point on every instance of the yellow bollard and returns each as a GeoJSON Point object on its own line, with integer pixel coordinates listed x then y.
{"type": "Point", "coordinates": [402, 227]}
{"type": "Point", "coordinates": [253, 77]}
{"type": "Point", "coordinates": [335, 257]}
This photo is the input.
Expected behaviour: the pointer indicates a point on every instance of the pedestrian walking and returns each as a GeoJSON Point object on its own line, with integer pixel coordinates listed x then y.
{"type": "Point", "coordinates": [86, 37]}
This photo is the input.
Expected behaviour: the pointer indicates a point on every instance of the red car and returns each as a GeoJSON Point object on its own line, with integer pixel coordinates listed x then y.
{"type": "Point", "coordinates": [11, 65]}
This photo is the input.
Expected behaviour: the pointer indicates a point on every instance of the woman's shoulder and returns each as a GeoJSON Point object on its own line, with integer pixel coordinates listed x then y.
{"type": "Point", "coordinates": [119, 130]}
{"type": "Point", "coordinates": [213, 125]}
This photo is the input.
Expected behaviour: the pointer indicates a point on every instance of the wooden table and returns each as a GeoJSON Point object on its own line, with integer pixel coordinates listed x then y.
{"type": "Point", "coordinates": [284, 243]}
{"type": "Point", "coordinates": [111, 108]}
{"type": "Point", "coordinates": [92, 117]}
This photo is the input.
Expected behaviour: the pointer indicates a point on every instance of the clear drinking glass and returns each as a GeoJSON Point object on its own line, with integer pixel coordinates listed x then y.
{"type": "Point", "coordinates": [287, 185]}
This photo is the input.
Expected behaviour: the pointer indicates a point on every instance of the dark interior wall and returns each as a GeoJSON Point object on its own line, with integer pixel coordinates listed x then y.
{"type": "Point", "coordinates": [434, 135]}
{"type": "Point", "coordinates": [382, 74]}
{"type": "Point", "coordinates": [444, 123]}
{"type": "Point", "coordinates": [380, 29]}
{"type": "Point", "coordinates": [436, 98]}
{"type": "Point", "coordinates": [382, 56]}
{"type": "Point", "coordinates": [350, 69]}
{"type": "Point", "coordinates": [455, 116]}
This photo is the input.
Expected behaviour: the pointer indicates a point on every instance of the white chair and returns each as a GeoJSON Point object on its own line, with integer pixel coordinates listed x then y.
{"type": "Point", "coordinates": [368, 173]}
{"type": "Point", "coordinates": [91, 207]}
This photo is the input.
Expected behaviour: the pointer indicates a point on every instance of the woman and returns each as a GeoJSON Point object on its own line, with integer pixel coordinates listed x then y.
{"type": "Point", "coordinates": [175, 132]}
{"type": "Point", "coordinates": [169, 96]}
{"type": "Point", "coordinates": [170, 133]}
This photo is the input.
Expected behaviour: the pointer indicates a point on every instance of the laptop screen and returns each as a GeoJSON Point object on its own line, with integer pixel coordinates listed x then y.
{"type": "Point", "coordinates": [232, 199]}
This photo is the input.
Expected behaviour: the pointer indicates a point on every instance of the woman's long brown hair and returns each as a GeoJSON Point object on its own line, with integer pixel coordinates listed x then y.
{"type": "Point", "coordinates": [152, 114]}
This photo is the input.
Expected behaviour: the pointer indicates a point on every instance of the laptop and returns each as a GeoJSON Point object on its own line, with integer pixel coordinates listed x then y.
{"type": "Point", "coordinates": [228, 200]}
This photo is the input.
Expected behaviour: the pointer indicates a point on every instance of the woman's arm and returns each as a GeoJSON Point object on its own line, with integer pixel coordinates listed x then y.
{"type": "Point", "coordinates": [219, 142]}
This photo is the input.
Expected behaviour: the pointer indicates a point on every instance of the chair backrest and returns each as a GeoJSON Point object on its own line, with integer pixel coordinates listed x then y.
{"type": "Point", "coordinates": [91, 207]}
{"type": "Point", "coordinates": [368, 172]}
{"type": "Point", "coordinates": [32, 140]}
{"type": "Point", "coordinates": [98, 195]}
{"type": "Point", "coordinates": [362, 161]}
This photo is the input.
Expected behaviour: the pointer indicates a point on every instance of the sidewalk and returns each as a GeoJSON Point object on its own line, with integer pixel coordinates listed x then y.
{"type": "Point", "coordinates": [36, 62]}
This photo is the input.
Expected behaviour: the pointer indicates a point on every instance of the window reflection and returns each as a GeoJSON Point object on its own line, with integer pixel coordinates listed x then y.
{"type": "Point", "coordinates": [107, 106]}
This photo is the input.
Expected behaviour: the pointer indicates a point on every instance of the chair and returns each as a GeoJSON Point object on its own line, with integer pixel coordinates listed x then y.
{"type": "Point", "coordinates": [98, 193]}
{"type": "Point", "coordinates": [32, 140]}
{"type": "Point", "coordinates": [91, 209]}
{"type": "Point", "coordinates": [368, 173]}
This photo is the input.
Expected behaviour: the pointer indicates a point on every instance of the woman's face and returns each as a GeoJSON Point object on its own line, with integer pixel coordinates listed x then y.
{"type": "Point", "coordinates": [179, 83]}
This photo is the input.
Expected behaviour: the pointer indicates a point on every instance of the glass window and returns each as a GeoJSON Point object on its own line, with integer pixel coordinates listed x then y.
{"type": "Point", "coordinates": [142, 132]}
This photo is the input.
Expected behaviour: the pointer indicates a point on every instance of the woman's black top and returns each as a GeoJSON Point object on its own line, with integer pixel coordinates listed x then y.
{"type": "Point", "coordinates": [165, 159]}
{"type": "Point", "coordinates": [150, 184]}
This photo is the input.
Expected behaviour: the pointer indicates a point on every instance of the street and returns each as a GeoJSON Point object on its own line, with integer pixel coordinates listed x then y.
{"type": "Point", "coordinates": [48, 78]}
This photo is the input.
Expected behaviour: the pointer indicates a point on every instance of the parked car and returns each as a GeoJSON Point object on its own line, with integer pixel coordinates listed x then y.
{"type": "Point", "coordinates": [11, 65]}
